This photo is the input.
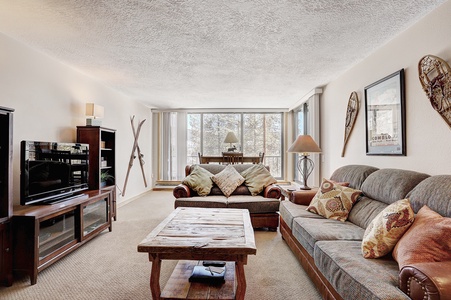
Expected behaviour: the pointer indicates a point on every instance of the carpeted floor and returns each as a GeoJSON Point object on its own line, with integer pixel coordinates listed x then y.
{"type": "Point", "coordinates": [109, 266]}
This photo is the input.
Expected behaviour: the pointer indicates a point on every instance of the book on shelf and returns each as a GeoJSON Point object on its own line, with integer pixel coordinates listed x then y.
{"type": "Point", "coordinates": [208, 274]}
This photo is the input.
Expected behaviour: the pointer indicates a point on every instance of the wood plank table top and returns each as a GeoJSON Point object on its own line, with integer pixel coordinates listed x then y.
{"type": "Point", "coordinates": [201, 234]}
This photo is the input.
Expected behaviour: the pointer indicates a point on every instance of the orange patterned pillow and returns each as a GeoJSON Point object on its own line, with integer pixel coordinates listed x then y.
{"type": "Point", "coordinates": [387, 228]}
{"type": "Point", "coordinates": [333, 201]}
{"type": "Point", "coordinates": [427, 240]}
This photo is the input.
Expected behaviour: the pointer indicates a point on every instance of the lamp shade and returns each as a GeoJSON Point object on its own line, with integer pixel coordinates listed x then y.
{"type": "Point", "coordinates": [94, 111]}
{"type": "Point", "coordinates": [230, 138]}
{"type": "Point", "coordinates": [304, 144]}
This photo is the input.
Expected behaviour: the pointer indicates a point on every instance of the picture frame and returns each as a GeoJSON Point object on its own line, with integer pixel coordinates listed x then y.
{"type": "Point", "coordinates": [385, 115]}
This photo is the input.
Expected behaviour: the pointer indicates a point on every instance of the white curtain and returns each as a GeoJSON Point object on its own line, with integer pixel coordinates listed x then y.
{"type": "Point", "coordinates": [172, 145]}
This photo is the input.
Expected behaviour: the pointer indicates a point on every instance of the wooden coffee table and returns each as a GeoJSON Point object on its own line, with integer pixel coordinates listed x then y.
{"type": "Point", "coordinates": [200, 234]}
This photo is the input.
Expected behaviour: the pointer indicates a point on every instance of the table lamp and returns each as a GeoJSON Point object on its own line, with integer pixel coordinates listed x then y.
{"type": "Point", "coordinates": [304, 145]}
{"type": "Point", "coordinates": [231, 138]}
{"type": "Point", "coordinates": [94, 112]}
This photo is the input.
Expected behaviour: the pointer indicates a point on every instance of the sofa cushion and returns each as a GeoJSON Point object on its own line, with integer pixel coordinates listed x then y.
{"type": "Point", "coordinates": [256, 178]}
{"type": "Point", "coordinates": [228, 180]}
{"type": "Point", "coordinates": [310, 230]}
{"type": "Point", "coordinates": [354, 174]}
{"type": "Point", "coordinates": [241, 190]}
{"type": "Point", "coordinates": [386, 229]}
{"type": "Point", "coordinates": [216, 168]}
{"type": "Point", "coordinates": [427, 240]}
{"type": "Point", "coordinates": [390, 185]}
{"type": "Point", "coordinates": [199, 180]}
{"type": "Point", "coordinates": [289, 210]}
{"type": "Point", "coordinates": [333, 201]}
{"type": "Point", "coordinates": [427, 193]}
{"type": "Point", "coordinates": [256, 204]}
{"type": "Point", "coordinates": [207, 202]}
{"type": "Point", "coordinates": [364, 211]}
{"type": "Point", "coordinates": [355, 277]}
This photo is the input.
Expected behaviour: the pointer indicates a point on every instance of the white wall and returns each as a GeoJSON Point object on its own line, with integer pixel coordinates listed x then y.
{"type": "Point", "coordinates": [49, 101]}
{"type": "Point", "coordinates": [428, 136]}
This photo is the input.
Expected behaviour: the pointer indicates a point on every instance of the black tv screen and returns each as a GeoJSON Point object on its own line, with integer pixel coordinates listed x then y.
{"type": "Point", "coordinates": [52, 171]}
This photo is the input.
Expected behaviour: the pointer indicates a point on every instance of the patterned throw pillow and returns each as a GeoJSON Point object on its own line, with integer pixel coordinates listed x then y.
{"type": "Point", "coordinates": [427, 240]}
{"type": "Point", "coordinates": [333, 201]}
{"type": "Point", "coordinates": [228, 180]}
{"type": "Point", "coordinates": [199, 180]}
{"type": "Point", "coordinates": [387, 228]}
{"type": "Point", "coordinates": [256, 178]}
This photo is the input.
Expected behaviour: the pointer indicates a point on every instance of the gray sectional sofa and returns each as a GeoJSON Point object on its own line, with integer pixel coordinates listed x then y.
{"type": "Point", "coordinates": [330, 250]}
{"type": "Point", "coordinates": [263, 208]}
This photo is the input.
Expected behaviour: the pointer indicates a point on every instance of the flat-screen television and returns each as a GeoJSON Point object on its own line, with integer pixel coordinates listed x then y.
{"type": "Point", "coordinates": [51, 172]}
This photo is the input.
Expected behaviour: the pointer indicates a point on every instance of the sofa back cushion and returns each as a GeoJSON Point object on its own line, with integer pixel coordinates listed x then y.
{"type": "Point", "coordinates": [391, 185]}
{"type": "Point", "coordinates": [216, 168]}
{"type": "Point", "coordinates": [435, 192]}
{"type": "Point", "coordinates": [365, 210]}
{"type": "Point", "coordinates": [380, 189]}
{"type": "Point", "coordinates": [354, 174]}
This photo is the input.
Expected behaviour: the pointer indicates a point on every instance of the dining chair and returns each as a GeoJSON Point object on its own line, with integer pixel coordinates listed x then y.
{"type": "Point", "coordinates": [261, 155]}
{"type": "Point", "coordinates": [232, 157]}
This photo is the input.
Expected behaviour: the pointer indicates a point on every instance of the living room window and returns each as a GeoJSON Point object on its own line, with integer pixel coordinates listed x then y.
{"type": "Point", "coordinates": [307, 121]}
{"type": "Point", "coordinates": [256, 132]}
{"type": "Point", "coordinates": [205, 132]}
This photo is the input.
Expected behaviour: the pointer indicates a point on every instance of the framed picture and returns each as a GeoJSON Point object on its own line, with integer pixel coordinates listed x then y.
{"type": "Point", "coordinates": [385, 114]}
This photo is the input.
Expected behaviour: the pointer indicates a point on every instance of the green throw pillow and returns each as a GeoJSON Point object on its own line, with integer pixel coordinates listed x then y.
{"type": "Point", "coordinates": [199, 180]}
{"type": "Point", "coordinates": [256, 178]}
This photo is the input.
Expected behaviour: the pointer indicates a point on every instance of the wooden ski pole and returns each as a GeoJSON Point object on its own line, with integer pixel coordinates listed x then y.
{"type": "Point", "coordinates": [132, 155]}
{"type": "Point", "coordinates": [140, 156]}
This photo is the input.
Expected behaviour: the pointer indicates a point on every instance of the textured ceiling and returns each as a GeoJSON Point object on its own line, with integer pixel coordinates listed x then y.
{"type": "Point", "coordinates": [210, 53]}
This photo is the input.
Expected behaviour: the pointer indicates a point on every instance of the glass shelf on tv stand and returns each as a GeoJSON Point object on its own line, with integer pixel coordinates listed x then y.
{"type": "Point", "coordinates": [56, 233]}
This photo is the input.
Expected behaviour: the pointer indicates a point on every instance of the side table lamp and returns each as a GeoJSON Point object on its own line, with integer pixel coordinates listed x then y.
{"type": "Point", "coordinates": [231, 138]}
{"type": "Point", "coordinates": [94, 114]}
{"type": "Point", "coordinates": [304, 145]}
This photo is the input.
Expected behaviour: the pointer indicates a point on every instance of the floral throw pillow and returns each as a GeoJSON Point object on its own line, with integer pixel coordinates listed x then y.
{"type": "Point", "coordinates": [199, 180]}
{"type": "Point", "coordinates": [387, 228]}
{"type": "Point", "coordinates": [228, 180]}
{"type": "Point", "coordinates": [333, 201]}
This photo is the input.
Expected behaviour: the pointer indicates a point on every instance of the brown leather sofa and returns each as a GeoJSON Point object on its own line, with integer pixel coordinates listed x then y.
{"type": "Point", "coordinates": [330, 250]}
{"type": "Point", "coordinates": [263, 208]}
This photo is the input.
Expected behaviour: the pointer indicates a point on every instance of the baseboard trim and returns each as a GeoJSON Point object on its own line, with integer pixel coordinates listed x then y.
{"type": "Point", "coordinates": [124, 202]}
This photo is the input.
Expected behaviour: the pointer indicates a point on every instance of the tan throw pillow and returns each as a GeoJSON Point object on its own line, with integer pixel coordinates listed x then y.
{"type": "Point", "coordinates": [427, 240]}
{"type": "Point", "coordinates": [387, 228]}
{"type": "Point", "coordinates": [199, 180]}
{"type": "Point", "coordinates": [256, 178]}
{"type": "Point", "coordinates": [333, 201]}
{"type": "Point", "coordinates": [228, 180]}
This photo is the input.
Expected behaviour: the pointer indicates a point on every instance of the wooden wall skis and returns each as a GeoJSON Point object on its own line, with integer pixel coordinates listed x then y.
{"type": "Point", "coordinates": [133, 156]}
{"type": "Point", "coordinates": [351, 115]}
{"type": "Point", "coordinates": [435, 77]}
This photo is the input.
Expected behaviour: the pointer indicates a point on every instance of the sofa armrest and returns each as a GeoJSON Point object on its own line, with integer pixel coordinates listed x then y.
{"type": "Point", "coordinates": [431, 280]}
{"type": "Point", "coordinates": [181, 191]}
{"type": "Point", "coordinates": [272, 191]}
{"type": "Point", "coordinates": [302, 197]}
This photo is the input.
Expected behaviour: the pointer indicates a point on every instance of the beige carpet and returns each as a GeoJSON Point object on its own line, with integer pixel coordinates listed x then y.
{"type": "Point", "coordinates": [109, 267]}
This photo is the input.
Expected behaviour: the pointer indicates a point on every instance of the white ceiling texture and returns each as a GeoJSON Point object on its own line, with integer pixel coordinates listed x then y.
{"type": "Point", "coordinates": [173, 54]}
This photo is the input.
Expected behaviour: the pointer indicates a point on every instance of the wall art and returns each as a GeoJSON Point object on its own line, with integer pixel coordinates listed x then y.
{"type": "Point", "coordinates": [351, 115]}
{"type": "Point", "coordinates": [385, 115]}
{"type": "Point", "coordinates": [435, 77]}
